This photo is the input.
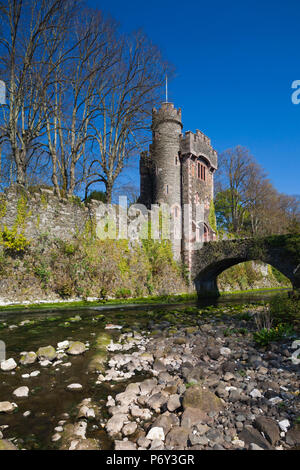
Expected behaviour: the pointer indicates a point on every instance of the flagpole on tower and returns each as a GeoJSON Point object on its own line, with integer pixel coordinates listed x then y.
{"type": "Point", "coordinates": [166, 88]}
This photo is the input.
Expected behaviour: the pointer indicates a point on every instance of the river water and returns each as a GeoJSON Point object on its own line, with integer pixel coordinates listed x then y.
{"type": "Point", "coordinates": [49, 398]}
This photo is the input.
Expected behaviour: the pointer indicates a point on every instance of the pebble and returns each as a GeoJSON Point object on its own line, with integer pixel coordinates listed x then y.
{"type": "Point", "coordinates": [8, 365]}
{"type": "Point", "coordinates": [255, 393]}
{"type": "Point", "coordinates": [156, 433]}
{"type": "Point", "coordinates": [284, 425]}
{"type": "Point", "coordinates": [21, 392]}
{"type": "Point", "coordinates": [74, 387]}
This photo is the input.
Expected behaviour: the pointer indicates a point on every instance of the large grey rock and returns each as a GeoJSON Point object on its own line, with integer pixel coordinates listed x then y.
{"type": "Point", "coordinates": [193, 416]}
{"type": "Point", "coordinates": [156, 401]}
{"type": "Point", "coordinates": [269, 427]}
{"type": "Point", "coordinates": [173, 402]}
{"type": "Point", "coordinates": [76, 348]}
{"type": "Point", "coordinates": [202, 399]}
{"type": "Point", "coordinates": [166, 421]}
{"type": "Point", "coordinates": [115, 424]}
{"type": "Point", "coordinates": [129, 429]}
{"type": "Point", "coordinates": [293, 436]}
{"type": "Point", "coordinates": [251, 435]}
{"type": "Point", "coordinates": [177, 437]}
{"type": "Point", "coordinates": [46, 353]}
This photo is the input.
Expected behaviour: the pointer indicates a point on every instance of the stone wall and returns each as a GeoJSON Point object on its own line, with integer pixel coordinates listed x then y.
{"type": "Point", "coordinates": [42, 213]}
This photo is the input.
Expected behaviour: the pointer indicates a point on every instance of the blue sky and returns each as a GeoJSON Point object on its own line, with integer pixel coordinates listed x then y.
{"type": "Point", "coordinates": [234, 66]}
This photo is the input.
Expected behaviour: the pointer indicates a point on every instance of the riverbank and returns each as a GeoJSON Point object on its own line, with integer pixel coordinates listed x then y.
{"type": "Point", "coordinates": [111, 303]}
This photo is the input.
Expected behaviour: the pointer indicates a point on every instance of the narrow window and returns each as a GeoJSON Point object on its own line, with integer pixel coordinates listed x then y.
{"type": "Point", "coordinates": [204, 175]}
{"type": "Point", "coordinates": [199, 170]}
{"type": "Point", "coordinates": [167, 189]}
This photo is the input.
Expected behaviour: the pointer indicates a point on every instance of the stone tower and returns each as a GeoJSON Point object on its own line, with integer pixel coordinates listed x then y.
{"type": "Point", "coordinates": [179, 171]}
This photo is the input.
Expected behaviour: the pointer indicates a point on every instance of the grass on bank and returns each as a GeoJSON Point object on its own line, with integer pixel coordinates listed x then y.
{"type": "Point", "coordinates": [160, 299]}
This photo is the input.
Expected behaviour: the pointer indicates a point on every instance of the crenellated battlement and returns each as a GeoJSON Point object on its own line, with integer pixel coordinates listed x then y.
{"type": "Point", "coordinates": [197, 144]}
{"type": "Point", "coordinates": [166, 112]}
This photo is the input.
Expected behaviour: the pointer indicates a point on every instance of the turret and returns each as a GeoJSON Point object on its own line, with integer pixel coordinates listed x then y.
{"type": "Point", "coordinates": [166, 129]}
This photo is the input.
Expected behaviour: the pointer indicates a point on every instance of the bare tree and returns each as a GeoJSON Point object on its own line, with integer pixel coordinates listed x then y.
{"type": "Point", "coordinates": [124, 101]}
{"type": "Point", "coordinates": [84, 57]}
{"type": "Point", "coordinates": [239, 172]}
{"type": "Point", "coordinates": [23, 60]}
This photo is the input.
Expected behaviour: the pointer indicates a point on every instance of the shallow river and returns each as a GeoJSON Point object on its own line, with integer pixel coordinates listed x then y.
{"type": "Point", "coordinates": [49, 399]}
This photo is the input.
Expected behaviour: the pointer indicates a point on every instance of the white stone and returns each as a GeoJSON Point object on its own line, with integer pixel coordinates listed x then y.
{"type": "Point", "coordinates": [228, 389]}
{"type": "Point", "coordinates": [255, 393]}
{"type": "Point", "coordinates": [238, 443]}
{"type": "Point", "coordinates": [296, 344]}
{"type": "Point", "coordinates": [25, 376]}
{"type": "Point", "coordinates": [27, 413]}
{"type": "Point", "coordinates": [113, 327]}
{"type": "Point", "coordinates": [74, 387]}
{"type": "Point", "coordinates": [63, 344]}
{"type": "Point", "coordinates": [225, 351]}
{"type": "Point", "coordinates": [255, 447]}
{"type": "Point", "coordinates": [35, 373]}
{"type": "Point", "coordinates": [56, 363]}
{"type": "Point", "coordinates": [21, 392]}
{"type": "Point", "coordinates": [284, 425]}
{"type": "Point", "coordinates": [8, 365]}
{"type": "Point", "coordinates": [275, 400]}
{"type": "Point", "coordinates": [7, 407]}
{"type": "Point", "coordinates": [156, 433]}
{"type": "Point", "coordinates": [295, 357]}
{"type": "Point", "coordinates": [45, 363]}
{"type": "Point", "coordinates": [59, 429]}
{"type": "Point", "coordinates": [56, 437]}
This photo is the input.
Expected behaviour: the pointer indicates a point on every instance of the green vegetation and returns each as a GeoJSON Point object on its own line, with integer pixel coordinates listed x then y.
{"type": "Point", "coordinates": [97, 196]}
{"type": "Point", "coordinates": [212, 216]}
{"type": "Point", "coordinates": [248, 276]}
{"type": "Point", "coordinates": [281, 320]}
{"type": "Point", "coordinates": [265, 336]}
{"type": "Point", "coordinates": [12, 241]}
{"type": "Point", "coordinates": [286, 310]}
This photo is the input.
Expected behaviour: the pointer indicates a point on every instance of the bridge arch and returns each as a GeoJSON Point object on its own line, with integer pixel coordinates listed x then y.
{"type": "Point", "coordinates": [282, 252]}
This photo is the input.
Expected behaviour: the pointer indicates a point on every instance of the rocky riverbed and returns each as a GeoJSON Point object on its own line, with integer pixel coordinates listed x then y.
{"type": "Point", "coordinates": [194, 380]}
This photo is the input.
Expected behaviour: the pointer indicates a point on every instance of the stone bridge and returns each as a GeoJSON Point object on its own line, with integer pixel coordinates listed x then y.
{"type": "Point", "coordinates": [280, 251]}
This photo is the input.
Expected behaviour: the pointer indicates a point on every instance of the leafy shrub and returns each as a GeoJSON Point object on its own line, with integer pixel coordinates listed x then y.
{"type": "Point", "coordinates": [285, 310]}
{"type": "Point", "coordinates": [265, 336]}
{"type": "Point", "coordinates": [97, 196]}
{"type": "Point", "coordinates": [14, 242]}
{"type": "Point", "coordinates": [103, 293]}
{"type": "Point", "coordinates": [69, 249]}
{"type": "Point", "coordinates": [123, 293]}
{"type": "Point", "coordinates": [43, 273]}
{"type": "Point", "coordinates": [64, 288]}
